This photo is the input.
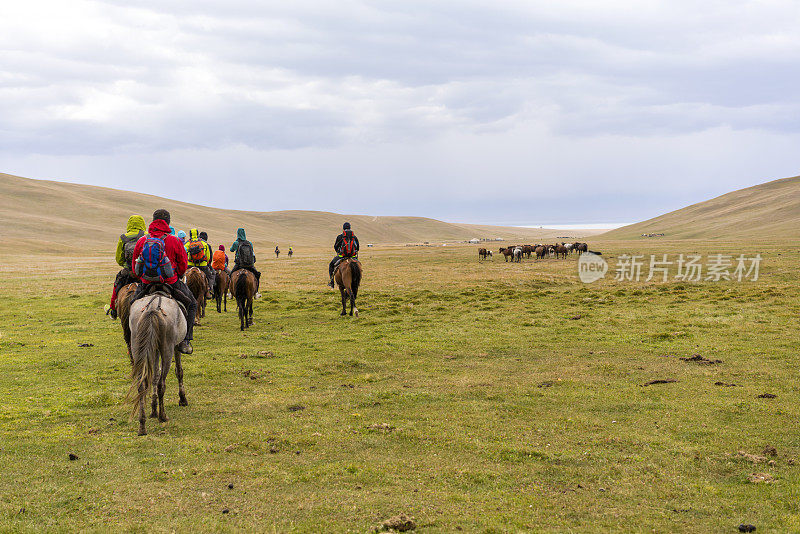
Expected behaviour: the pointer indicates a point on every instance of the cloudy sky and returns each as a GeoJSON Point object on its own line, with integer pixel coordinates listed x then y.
{"type": "Point", "coordinates": [519, 112]}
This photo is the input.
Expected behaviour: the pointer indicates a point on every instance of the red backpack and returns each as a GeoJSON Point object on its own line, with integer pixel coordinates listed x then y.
{"type": "Point", "coordinates": [348, 245]}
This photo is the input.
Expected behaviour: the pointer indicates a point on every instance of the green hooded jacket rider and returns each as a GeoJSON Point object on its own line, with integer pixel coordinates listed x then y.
{"type": "Point", "coordinates": [135, 225]}
{"type": "Point", "coordinates": [240, 236]}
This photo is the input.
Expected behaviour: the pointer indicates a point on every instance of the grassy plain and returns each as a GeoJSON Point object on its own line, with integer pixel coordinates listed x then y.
{"type": "Point", "coordinates": [468, 395]}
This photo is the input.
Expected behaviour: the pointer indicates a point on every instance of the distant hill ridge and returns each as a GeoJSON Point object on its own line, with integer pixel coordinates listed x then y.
{"type": "Point", "coordinates": [61, 216]}
{"type": "Point", "coordinates": [766, 211]}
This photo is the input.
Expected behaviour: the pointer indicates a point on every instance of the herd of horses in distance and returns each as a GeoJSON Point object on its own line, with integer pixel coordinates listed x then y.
{"type": "Point", "coordinates": [517, 252]}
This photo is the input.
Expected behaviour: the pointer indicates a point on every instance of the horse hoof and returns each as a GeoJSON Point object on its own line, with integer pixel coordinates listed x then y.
{"type": "Point", "coordinates": [143, 432]}
{"type": "Point", "coordinates": [153, 415]}
{"type": "Point", "coordinates": [356, 313]}
{"type": "Point", "coordinates": [163, 419]}
{"type": "Point", "coordinates": [183, 402]}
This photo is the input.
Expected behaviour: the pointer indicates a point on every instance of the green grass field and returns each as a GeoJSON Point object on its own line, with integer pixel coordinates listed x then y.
{"type": "Point", "coordinates": [468, 395]}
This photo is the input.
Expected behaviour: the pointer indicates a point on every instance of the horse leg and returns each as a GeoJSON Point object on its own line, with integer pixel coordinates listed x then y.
{"type": "Point", "coordinates": [162, 384]}
{"type": "Point", "coordinates": [344, 301]}
{"type": "Point", "coordinates": [179, 375]}
{"type": "Point", "coordinates": [352, 303]}
{"type": "Point", "coordinates": [154, 403]}
{"type": "Point", "coordinates": [250, 310]}
{"type": "Point", "coordinates": [142, 418]}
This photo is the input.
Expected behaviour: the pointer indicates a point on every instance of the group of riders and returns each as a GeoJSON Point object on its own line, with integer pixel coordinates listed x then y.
{"type": "Point", "coordinates": [157, 254]}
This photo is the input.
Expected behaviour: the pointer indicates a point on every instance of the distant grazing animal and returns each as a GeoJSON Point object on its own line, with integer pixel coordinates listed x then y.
{"type": "Point", "coordinates": [157, 327]}
{"type": "Point", "coordinates": [198, 285]}
{"type": "Point", "coordinates": [527, 250]}
{"type": "Point", "coordinates": [518, 254]}
{"type": "Point", "coordinates": [243, 286]}
{"type": "Point", "coordinates": [483, 253]}
{"type": "Point", "coordinates": [551, 250]}
{"type": "Point", "coordinates": [581, 247]}
{"type": "Point", "coordinates": [348, 278]}
{"type": "Point", "coordinates": [540, 251]}
{"type": "Point", "coordinates": [507, 252]}
{"type": "Point", "coordinates": [560, 249]}
{"type": "Point", "coordinates": [568, 246]}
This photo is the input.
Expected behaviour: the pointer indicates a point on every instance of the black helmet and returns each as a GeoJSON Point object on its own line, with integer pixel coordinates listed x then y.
{"type": "Point", "coordinates": [203, 236]}
{"type": "Point", "coordinates": [346, 226]}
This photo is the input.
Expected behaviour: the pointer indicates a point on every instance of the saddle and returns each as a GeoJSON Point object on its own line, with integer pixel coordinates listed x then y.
{"type": "Point", "coordinates": [165, 290]}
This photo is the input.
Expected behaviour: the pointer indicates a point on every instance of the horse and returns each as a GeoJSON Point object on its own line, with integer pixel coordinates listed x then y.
{"type": "Point", "coordinates": [348, 278]}
{"type": "Point", "coordinates": [506, 252]}
{"type": "Point", "coordinates": [221, 289]}
{"type": "Point", "coordinates": [517, 254]}
{"type": "Point", "coordinates": [198, 285]}
{"type": "Point", "coordinates": [123, 312]}
{"type": "Point", "coordinates": [483, 253]}
{"type": "Point", "coordinates": [243, 286]}
{"type": "Point", "coordinates": [277, 252]}
{"type": "Point", "coordinates": [157, 327]}
{"type": "Point", "coordinates": [527, 250]}
{"type": "Point", "coordinates": [561, 249]}
{"type": "Point", "coordinates": [540, 251]}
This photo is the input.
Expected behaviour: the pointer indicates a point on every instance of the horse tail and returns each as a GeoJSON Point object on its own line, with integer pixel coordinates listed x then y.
{"type": "Point", "coordinates": [355, 277]}
{"type": "Point", "coordinates": [240, 292]}
{"type": "Point", "coordinates": [148, 334]}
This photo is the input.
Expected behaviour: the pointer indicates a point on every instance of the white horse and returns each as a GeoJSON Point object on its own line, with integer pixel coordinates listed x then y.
{"type": "Point", "coordinates": [157, 328]}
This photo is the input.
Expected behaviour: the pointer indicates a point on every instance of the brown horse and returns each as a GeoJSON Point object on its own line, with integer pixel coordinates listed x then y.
{"type": "Point", "coordinates": [124, 311]}
{"type": "Point", "coordinates": [243, 286]}
{"type": "Point", "coordinates": [198, 285]}
{"type": "Point", "coordinates": [221, 289]}
{"type": "Point", "coordinates": [348, 278]}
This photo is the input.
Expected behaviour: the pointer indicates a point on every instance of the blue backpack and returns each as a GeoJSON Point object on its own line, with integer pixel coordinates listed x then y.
{"type": "Point", "coordinates": [152, 265]}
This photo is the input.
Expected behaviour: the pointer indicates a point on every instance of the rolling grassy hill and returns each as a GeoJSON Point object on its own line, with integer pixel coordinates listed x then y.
{"type": "Point", "coordinates": [65, 216]}
{"type": "Point", "coordinates": [766, 211]}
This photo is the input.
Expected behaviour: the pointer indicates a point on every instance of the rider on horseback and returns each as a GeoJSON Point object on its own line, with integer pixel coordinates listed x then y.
{"type": "Point", "coordinates": [245, 257]}
{"type": "Point", "coordinates": [199, 255]}
{"type": "Point", "coordinates": [219, 262]}
{"type": "Point", "coordinates": [174, 264]}
{"type": "Point", "coordinates": [346, 246]}
{"type": "Point", "coordinates": [125, 246]}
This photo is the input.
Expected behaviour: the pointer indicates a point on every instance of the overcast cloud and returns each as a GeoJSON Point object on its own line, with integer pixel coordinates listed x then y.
{"type": "Point", "coordinates": [509, 112]}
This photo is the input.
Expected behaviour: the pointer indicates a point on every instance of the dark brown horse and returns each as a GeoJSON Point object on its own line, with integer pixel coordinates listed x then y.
{"type": "Point", "coordinates": [484, 253]}
{"type": "Point", "coordinates": [124, 311]}
{"type": "Point", "coordinates": [243, 286]}
{"type": "Point", "coordinates": [198, 285]}
{"type": "Point", "coordinates": [221, 289]}
{"type": "Point", "coordinates": [507, 252]}
{"type": "Point", "coordinates": [348, 278]}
